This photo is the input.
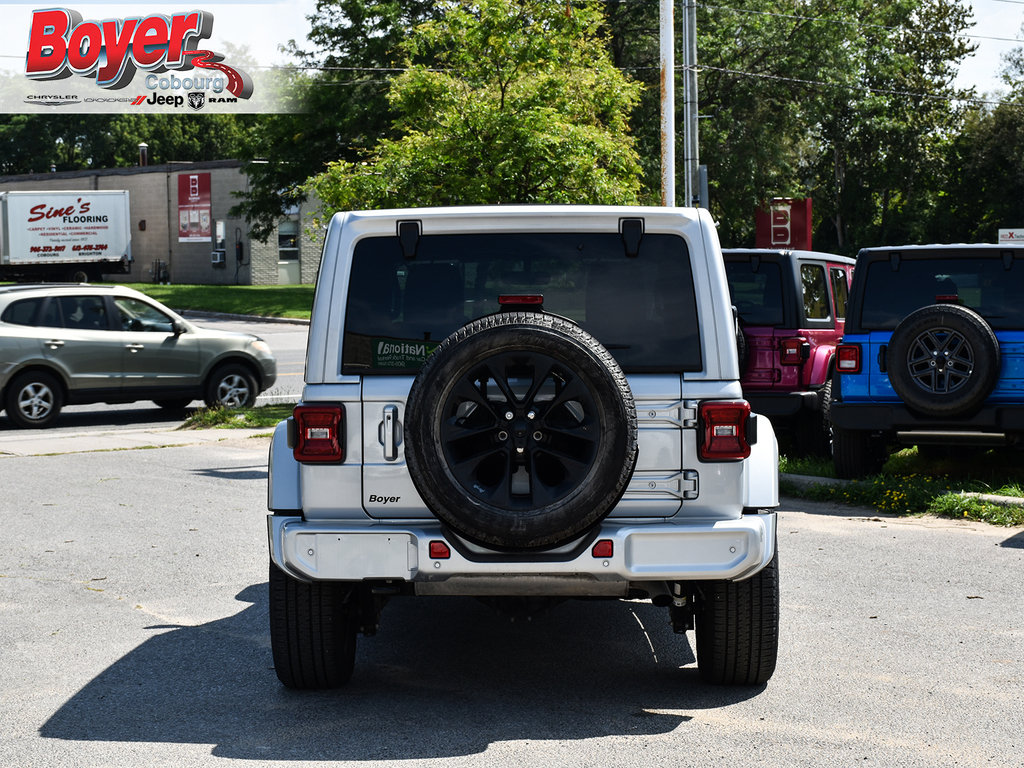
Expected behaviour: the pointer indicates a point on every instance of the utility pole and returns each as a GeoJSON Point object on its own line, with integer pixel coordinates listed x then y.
{"type": "Point", "coordinates": [691, 153]}
{"type": "Point", "coordinates": [668, 104]}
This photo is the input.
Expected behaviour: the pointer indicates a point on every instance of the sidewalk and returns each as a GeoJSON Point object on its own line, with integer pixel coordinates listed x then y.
{"type": "Point", "coordinates": [16, 443]}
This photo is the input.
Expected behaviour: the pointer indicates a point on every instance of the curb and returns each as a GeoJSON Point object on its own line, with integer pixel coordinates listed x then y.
{"type": "Point", "coordinates": [33, 444]}
{"type": "Point", "coordinates": [195, 314]}
{"type": "Point", "coordinates": [807, 481]}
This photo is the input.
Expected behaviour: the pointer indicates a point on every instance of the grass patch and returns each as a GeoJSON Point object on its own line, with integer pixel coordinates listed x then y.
{"type": "Point", "coordinates": [806, 465]}
{"type": "Point", "coordinates": [286, 301]}
{"type": "Point", "coordinates": [241, 418]}
{"type": "Point", "coordinates": [911, 484]}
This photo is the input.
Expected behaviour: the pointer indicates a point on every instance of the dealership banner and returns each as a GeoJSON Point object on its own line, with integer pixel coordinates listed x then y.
{"type": "Point", "coordinates": [194, 208]}
{"type": "Point", "coordinates": [96, 58]}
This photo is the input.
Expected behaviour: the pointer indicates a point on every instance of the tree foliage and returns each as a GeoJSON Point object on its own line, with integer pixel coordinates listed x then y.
{"type": "Point", "coordinates": [411, 102]}
{"type": "Point", "coordinates": [847, 102]}
{"type": "Point", "coordinates": [501, 101]}
{"type": "Point", "coordinates": [348, 61]}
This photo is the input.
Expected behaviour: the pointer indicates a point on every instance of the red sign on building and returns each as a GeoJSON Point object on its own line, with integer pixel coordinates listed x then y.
{"type": "Point", "coordinates": [786, 224]}
{"type": "Point", "coordinates": [194, 208]}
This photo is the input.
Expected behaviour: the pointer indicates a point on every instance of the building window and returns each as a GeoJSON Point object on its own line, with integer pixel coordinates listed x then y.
{"type": "Point", "coordinates": [288, 240]}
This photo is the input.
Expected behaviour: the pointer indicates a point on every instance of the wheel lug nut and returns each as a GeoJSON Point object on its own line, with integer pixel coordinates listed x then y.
{"type": "Point", "coordinates": [503, 436]}
{"type": "Point", "coordinates": [509, 415]}
{"type": "Point", "coordinates": [531, 415]}
{"type": "Point", "coordinates": [538, 435]}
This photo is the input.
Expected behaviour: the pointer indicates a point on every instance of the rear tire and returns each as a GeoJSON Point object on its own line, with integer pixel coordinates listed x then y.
{"type": "Point", "coordinates": [521, 431]}
{"type": "Point", "coordinates": [814, 429]}
{"type": "Point", "coordinates": [944, 360]}
{"type": "Point", "coordinates": [34, 400]}
{"type": "Point", "coordinates": [737, 628]}
{"type": "Point", "coordinates": [312, 631]}
{"type": "Point", "coordinates": [856, 453]}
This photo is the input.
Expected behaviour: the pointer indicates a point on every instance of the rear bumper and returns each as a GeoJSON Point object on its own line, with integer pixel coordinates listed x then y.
{"type": "Point", "coordinates": [782, 403]}
{"type": "Point", "coordinates": [888, 417]}
{"type": "Point", "coordinates": [645, 552]}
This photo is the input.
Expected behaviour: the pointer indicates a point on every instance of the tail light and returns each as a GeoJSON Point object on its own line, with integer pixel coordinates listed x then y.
{"type": "Point", "coordinates": [724, 425]}
{"type": "Point", "coordinates": [848, 358]}
{"type": "Point", "coordinates": [319, 434]}
{"type": "Point", "coordinates": [795, 350]}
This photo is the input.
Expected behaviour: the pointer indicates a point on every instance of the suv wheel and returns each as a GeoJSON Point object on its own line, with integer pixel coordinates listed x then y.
{"type": "Point", "coordinates": [737, 628]}
{"type": "Point", "coordinates": [231, 386]}
{"type": "Point", "coordinates": [312, 631]}
{"type": "Point", "coordinates": [856, 453]}
{"type": "Point", "coordinates": [34, 399]}
{"type": "Point", "coordinates": [944, 360]}
{"type": "Point", "coordinates": [814, 428]}
{"type": "Point", "coordinates": [521, 431]}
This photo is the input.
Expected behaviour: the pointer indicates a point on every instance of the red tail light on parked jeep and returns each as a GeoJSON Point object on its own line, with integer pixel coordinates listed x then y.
{"type": "Point", "coordinates": [319, 434]}
{"type": "Point", "coordinates": [723, 430]}
{"type": "Point", "coordinates": [848, 358]}
{"type": "Point", "coordinates": [795, 350]}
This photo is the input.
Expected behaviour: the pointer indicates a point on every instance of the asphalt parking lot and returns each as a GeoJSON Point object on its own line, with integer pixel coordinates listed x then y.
{"type": "Point", "coordinates": [133, 622]}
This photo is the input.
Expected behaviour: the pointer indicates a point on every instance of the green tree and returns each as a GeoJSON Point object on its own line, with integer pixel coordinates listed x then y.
{"type": "Point", "coordinates": [845, 101]}
{"type": "Point", "coordinates": [68, 142]}
{"type": "Point", "coordinates": [348, 61]}
{"type": "Point", "coordinates": [885, 145]}
{"type": "Point", "coordinates": [984, 190]}
{"type": "Point", "coordinates": [501, 101]}
{"type": "Point", "coordinates": [760, 100]}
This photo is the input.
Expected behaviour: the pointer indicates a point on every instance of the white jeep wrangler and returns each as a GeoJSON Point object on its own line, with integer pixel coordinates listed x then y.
{"type": "Point", "coordinates": [524, 405]}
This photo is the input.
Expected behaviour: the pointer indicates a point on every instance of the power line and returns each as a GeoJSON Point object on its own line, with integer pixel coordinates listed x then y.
{"type": "Point", "coordinates": [859, 88]}
{"type": "Point", "coordinates": [861, 25]}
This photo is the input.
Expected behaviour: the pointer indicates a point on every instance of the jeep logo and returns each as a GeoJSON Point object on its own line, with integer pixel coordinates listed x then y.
{"type": "Point", "coordinates": [375, 499]}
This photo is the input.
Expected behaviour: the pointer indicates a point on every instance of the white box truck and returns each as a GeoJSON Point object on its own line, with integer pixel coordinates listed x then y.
{"type": "Point", "coordinates": [73, 235]}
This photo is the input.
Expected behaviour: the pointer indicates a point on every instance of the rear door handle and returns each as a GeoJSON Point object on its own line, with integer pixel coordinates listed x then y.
{"type": "Point", "coordinates": [389, 432]}
{"type": "Point", "coordinates": [54, 343]}
{"type": "Point", "coordinates": [134, 347]}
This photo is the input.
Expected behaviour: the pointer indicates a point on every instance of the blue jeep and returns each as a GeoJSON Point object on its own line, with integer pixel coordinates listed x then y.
{"type": "Point", "coordinates": [932, 353]}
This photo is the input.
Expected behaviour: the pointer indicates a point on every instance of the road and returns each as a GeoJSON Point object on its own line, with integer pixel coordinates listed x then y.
{"type": "Point", "coordinates": [287, 340]}
{"type": "Point", "coordinates": [133, 629]}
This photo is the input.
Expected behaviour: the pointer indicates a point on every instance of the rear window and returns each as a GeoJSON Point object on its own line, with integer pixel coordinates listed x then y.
{"type": "Point", "coordinates": [642, 309]}
{"type": "Point", "coordinates": [989, 286]}
{"type": "Point", "coordinates": [22, 312]}
{"type": "Point", "coordinates": [756, 289]}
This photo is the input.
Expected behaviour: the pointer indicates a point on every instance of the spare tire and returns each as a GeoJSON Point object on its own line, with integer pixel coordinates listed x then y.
{"type": "Point", "coordinates": [943, 360]}
{"type": "Point", "coordinates": [520, 431]}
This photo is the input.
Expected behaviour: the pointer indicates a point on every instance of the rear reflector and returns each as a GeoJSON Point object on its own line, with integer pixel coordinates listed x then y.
{"type": "Point", "coordinates": [848, 358]}
{"type": "Point", "coordinates": [724, 430]}
{"type": "Point", "coordinates": [603, 549]}
{"type": "Point", "coordinates": [319, 434]}
{"type": "Point", "coordinates": [439, 551]}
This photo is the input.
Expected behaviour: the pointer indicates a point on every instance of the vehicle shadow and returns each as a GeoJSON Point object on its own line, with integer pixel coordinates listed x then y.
{"type": "Point", "coordinates": [73, 417]}
{"type": "Point", "coordinates": [1014, 542]}
{"type": "Point", "coordinates": [444, 677]}
{"type": "Point", "coordinates": [256, 472]}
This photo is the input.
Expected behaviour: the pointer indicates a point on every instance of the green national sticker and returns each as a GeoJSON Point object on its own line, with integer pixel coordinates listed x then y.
{"type": "Point", "coordinates": [397, 353]}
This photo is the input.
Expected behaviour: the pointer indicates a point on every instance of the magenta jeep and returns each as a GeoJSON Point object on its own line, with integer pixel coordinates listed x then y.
{"type": "Point", "coordinates": [790, 307]}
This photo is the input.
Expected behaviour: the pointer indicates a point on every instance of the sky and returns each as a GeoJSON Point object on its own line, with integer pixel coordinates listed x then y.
{"type": "Point", "coordinates": [264, 26]}
{"type": "Point", "coordinates": [999, 19]}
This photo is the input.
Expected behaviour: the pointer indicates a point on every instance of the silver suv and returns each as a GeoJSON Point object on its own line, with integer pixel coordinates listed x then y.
{"type": "Point", "coordinates": [523, 405]}
{"type": "Point", "coordinates": [63, 344]}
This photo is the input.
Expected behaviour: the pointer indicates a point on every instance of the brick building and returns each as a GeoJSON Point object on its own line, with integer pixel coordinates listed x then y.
{"type": "Point", "coordinates": [181, 229]}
